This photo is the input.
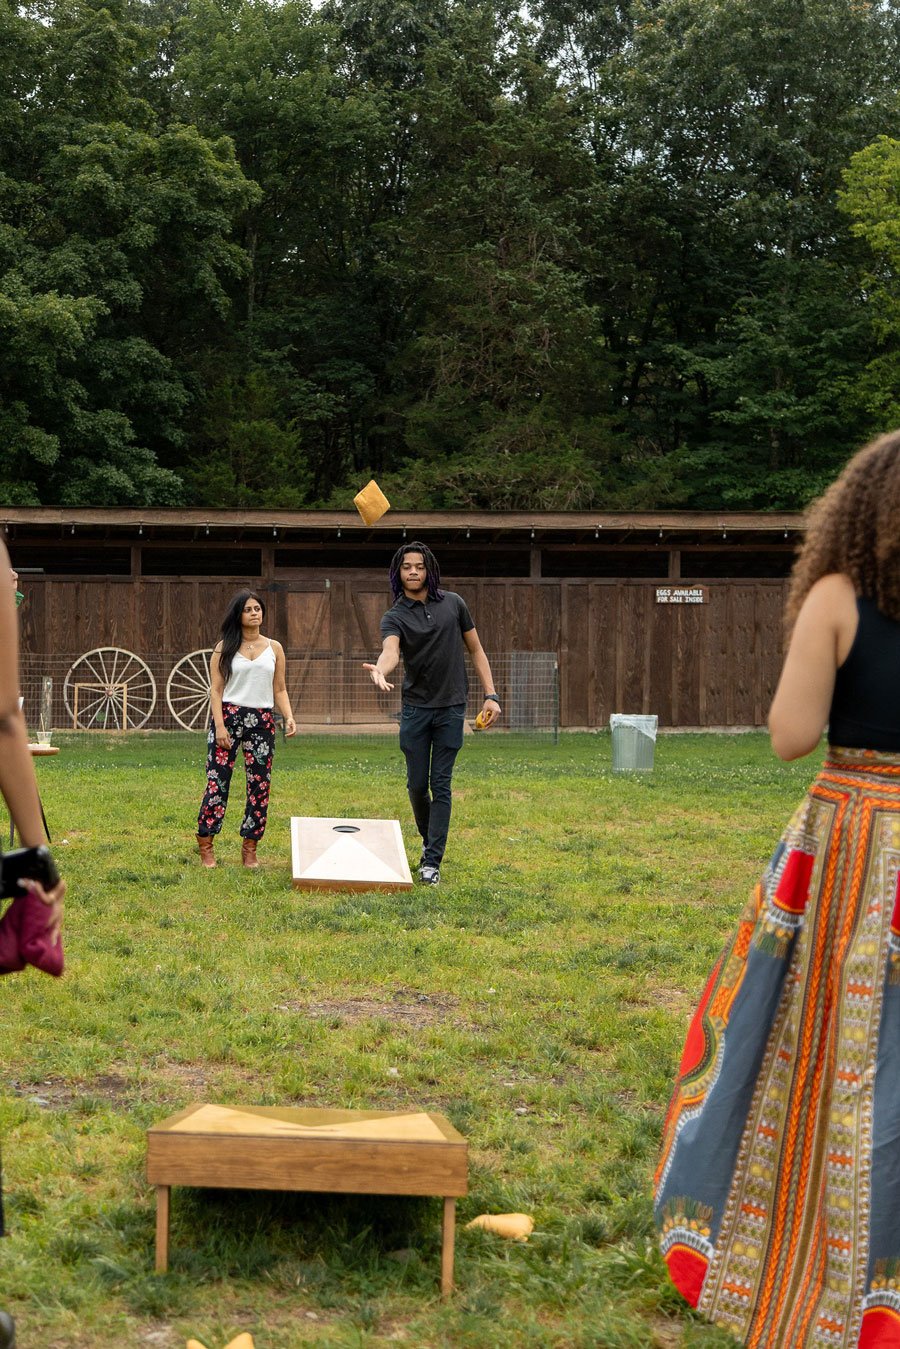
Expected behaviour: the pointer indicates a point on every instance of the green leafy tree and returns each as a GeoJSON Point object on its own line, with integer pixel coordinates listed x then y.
{"type": "Point", "coordinates": [114, 239]}
{"type": "Point", "coordinates": [251, 460]}
{"type": "Point", "coordinates": [315, 316]}
{"type": "Point", "coordinates": [726, 275]}
{"type": "Point", "coordinates": [505, 386]}
{"type": "Point", "coordinates": [871, 199]}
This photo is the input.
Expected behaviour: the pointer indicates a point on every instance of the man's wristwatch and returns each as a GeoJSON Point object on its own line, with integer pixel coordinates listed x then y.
{"type": "Point", "coordinates": [492, 697]}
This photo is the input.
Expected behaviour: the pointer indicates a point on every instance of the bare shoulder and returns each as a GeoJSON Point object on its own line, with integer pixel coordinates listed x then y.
{"type": "Point", "coordinates": [836, 583]}
{"type": "Point", "coordinates": [830, 609]}
{"type": "Point", "coordinates": [832, 596]}
{"type": "Point", "coordinates": [276, 647]}
{"type": "Point", "coordinates": [217, 649]}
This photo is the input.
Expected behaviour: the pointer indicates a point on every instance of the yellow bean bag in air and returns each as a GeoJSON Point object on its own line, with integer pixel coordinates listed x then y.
{"type": "Point", "coordinates": [371, 502]}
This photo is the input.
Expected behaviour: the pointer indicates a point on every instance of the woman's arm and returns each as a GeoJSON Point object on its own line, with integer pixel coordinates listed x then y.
{"type": "Point", "coordinates": [18, 784]}
{"type": "Point", "coordinates": [820, 642]}
{"type": "Point", "coordinates": [216, 690]}
{"type": "Point", "coordinates": [17, 781]}
{"type": "Point", "coordinates": [280, 693]}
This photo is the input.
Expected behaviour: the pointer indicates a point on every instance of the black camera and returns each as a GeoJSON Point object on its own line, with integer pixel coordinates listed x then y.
{"type": "Point", "coordinates": [34, 864]}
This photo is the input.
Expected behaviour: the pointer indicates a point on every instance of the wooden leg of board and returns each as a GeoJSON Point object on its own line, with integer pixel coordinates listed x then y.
{"type": "Point", "coordinates": [447, 1244]}
{"type": "Point", "coordinates": [162, 1228]}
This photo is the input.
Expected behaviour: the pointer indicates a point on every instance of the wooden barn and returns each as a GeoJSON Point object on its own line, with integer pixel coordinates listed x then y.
{"type": "Point", "coordinates": [677, 614]}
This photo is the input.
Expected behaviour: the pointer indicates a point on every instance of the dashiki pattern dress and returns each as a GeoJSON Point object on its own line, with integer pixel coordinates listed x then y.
{"type": "Point", "coordinates": [778, 1188]}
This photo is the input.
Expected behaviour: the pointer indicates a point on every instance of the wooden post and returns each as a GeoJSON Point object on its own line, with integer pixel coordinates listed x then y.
{"type": "Point", "coordinates": [448, 1238]}
{"type": "Point", "coordinates": [162, 1228]}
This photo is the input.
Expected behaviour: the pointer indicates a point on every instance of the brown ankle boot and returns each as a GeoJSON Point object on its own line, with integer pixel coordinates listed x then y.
{"type": "Point", "coordinates": [248, 852]}
{"type": "Point", "coordinates": [205, 844]}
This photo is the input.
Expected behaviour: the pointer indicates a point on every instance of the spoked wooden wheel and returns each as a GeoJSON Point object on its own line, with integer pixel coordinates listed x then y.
{"type": "Point", "coordinates": [187, 690]}
{"type": "Point", "coordinates": [109, 689]}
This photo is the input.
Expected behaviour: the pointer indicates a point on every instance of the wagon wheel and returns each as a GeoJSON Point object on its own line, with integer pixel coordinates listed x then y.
{"type": "Point", "coordinates": [187, 690]}
{"type": "Point", "coordinates": [110, 689]}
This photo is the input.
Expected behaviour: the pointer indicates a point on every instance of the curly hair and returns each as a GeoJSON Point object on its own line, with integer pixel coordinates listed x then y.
{"type": "Point", "coordinates": [232, 633]}
{"type": "Point", "coordinates": [432, 570]}
{"type": "Point", "coordinates": [854, 528]}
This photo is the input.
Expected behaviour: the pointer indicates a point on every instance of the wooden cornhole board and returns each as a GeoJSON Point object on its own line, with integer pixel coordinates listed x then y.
{"type": "Point", "coordinates": [339, 1151]}
{"type": "Point", "coordinates": [336, 854]}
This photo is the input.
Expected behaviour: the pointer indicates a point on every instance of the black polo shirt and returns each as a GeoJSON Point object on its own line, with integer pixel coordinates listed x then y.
{"type": "Point", "coordinates": [432, 648]}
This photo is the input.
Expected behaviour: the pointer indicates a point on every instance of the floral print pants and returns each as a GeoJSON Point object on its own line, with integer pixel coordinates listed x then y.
{"type": "Point", "coordinates": [253, 728]}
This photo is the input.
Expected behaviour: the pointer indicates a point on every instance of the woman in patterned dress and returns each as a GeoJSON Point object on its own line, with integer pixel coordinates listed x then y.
{"type": "Point", "coordinates": [247, 679]}
{"type": "Point", "coordinates": [778, 1187]}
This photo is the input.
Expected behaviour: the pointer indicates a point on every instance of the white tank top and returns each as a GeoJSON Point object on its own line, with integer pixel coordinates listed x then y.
{"type": "Point", "coordinates": [251, 681]}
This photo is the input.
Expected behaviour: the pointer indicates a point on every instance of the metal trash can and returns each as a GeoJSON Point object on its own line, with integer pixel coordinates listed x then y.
{"type": "Point", "coordinates": [633, 742]}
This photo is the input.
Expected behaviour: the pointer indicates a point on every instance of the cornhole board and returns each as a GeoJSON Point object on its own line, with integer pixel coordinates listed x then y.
{"type": "Point", "coordinates": [336, 854]}
{"type": "Point", "coordinates": [337, 1151]}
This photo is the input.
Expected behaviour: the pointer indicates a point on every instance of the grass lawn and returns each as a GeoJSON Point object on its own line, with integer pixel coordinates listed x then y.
{"type": "Point", "coordinates": [538, 997]}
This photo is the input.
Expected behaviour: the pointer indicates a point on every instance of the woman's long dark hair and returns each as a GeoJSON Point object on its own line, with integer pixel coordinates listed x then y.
{"type": "Point", "coordinates": [432, 570]}
{"type": "Point", "coordinates": [232, 633]}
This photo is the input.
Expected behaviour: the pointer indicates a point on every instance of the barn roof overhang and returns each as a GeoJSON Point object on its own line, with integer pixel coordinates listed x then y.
{"type": "Point", "coordinates": [481, 528]}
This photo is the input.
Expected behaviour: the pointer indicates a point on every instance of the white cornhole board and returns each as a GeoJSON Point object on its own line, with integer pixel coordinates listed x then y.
{"type": "Point", "coordinates": [336, 854]}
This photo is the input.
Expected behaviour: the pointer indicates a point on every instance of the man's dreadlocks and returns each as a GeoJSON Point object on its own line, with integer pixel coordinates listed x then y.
{"type": "Point", "coordinates": [432, 570]}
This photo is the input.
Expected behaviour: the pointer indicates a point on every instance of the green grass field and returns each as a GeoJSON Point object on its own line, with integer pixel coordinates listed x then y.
{"type": "Point", "coordinates": [537, 997]}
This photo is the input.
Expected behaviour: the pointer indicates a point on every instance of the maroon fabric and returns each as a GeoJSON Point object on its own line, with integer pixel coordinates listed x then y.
{"type": "Point", "coordinates": [24, 939]}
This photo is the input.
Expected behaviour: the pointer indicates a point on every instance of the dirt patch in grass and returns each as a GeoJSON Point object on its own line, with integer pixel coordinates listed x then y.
{"type": "Point", "coordinates": [676, 1000]}
{"type": "Point", "coordinates": [666, 1334]}
{"type": "Point", "coordinates": [190, 1077]}
{"type": "Point", "coordinates": [188, 1080]}
{"type": "Point", "coordinates": [405, 1008]}
{"type": "Point", "coordinates": [56, 1091]}
{"type": "Point", "coordinates": [159, 1337]}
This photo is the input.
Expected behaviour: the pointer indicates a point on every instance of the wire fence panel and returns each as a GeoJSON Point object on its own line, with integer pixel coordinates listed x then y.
{"type": "Point", "coordinates": [112, 689]}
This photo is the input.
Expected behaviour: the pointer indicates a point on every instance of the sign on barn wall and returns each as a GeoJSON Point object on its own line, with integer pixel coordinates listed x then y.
{"type": "Point", "coordinates": [681, 594]}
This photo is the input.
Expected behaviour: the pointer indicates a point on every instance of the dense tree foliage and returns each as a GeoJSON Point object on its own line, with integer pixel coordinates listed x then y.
{"type": "Point", "coordinates": [633, 253]}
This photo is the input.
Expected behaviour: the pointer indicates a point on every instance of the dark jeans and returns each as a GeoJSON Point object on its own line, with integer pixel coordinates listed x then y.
{"type": "Point", "coordinates": [431, 738]}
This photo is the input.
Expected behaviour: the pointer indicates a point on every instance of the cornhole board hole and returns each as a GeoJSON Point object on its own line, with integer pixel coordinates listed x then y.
{"type": "Point", "coordinates": [335, 854]}
{"type": "Point", "coordinates": [337, 1151]}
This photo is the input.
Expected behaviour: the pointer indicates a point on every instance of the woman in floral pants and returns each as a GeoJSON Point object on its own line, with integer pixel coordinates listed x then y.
{"type": "Point", "coordinates": [247, 680]}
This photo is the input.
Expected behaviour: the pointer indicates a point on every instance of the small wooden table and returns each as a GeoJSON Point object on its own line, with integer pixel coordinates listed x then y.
{"type": "Point", "coordinates": [337, 1151]}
